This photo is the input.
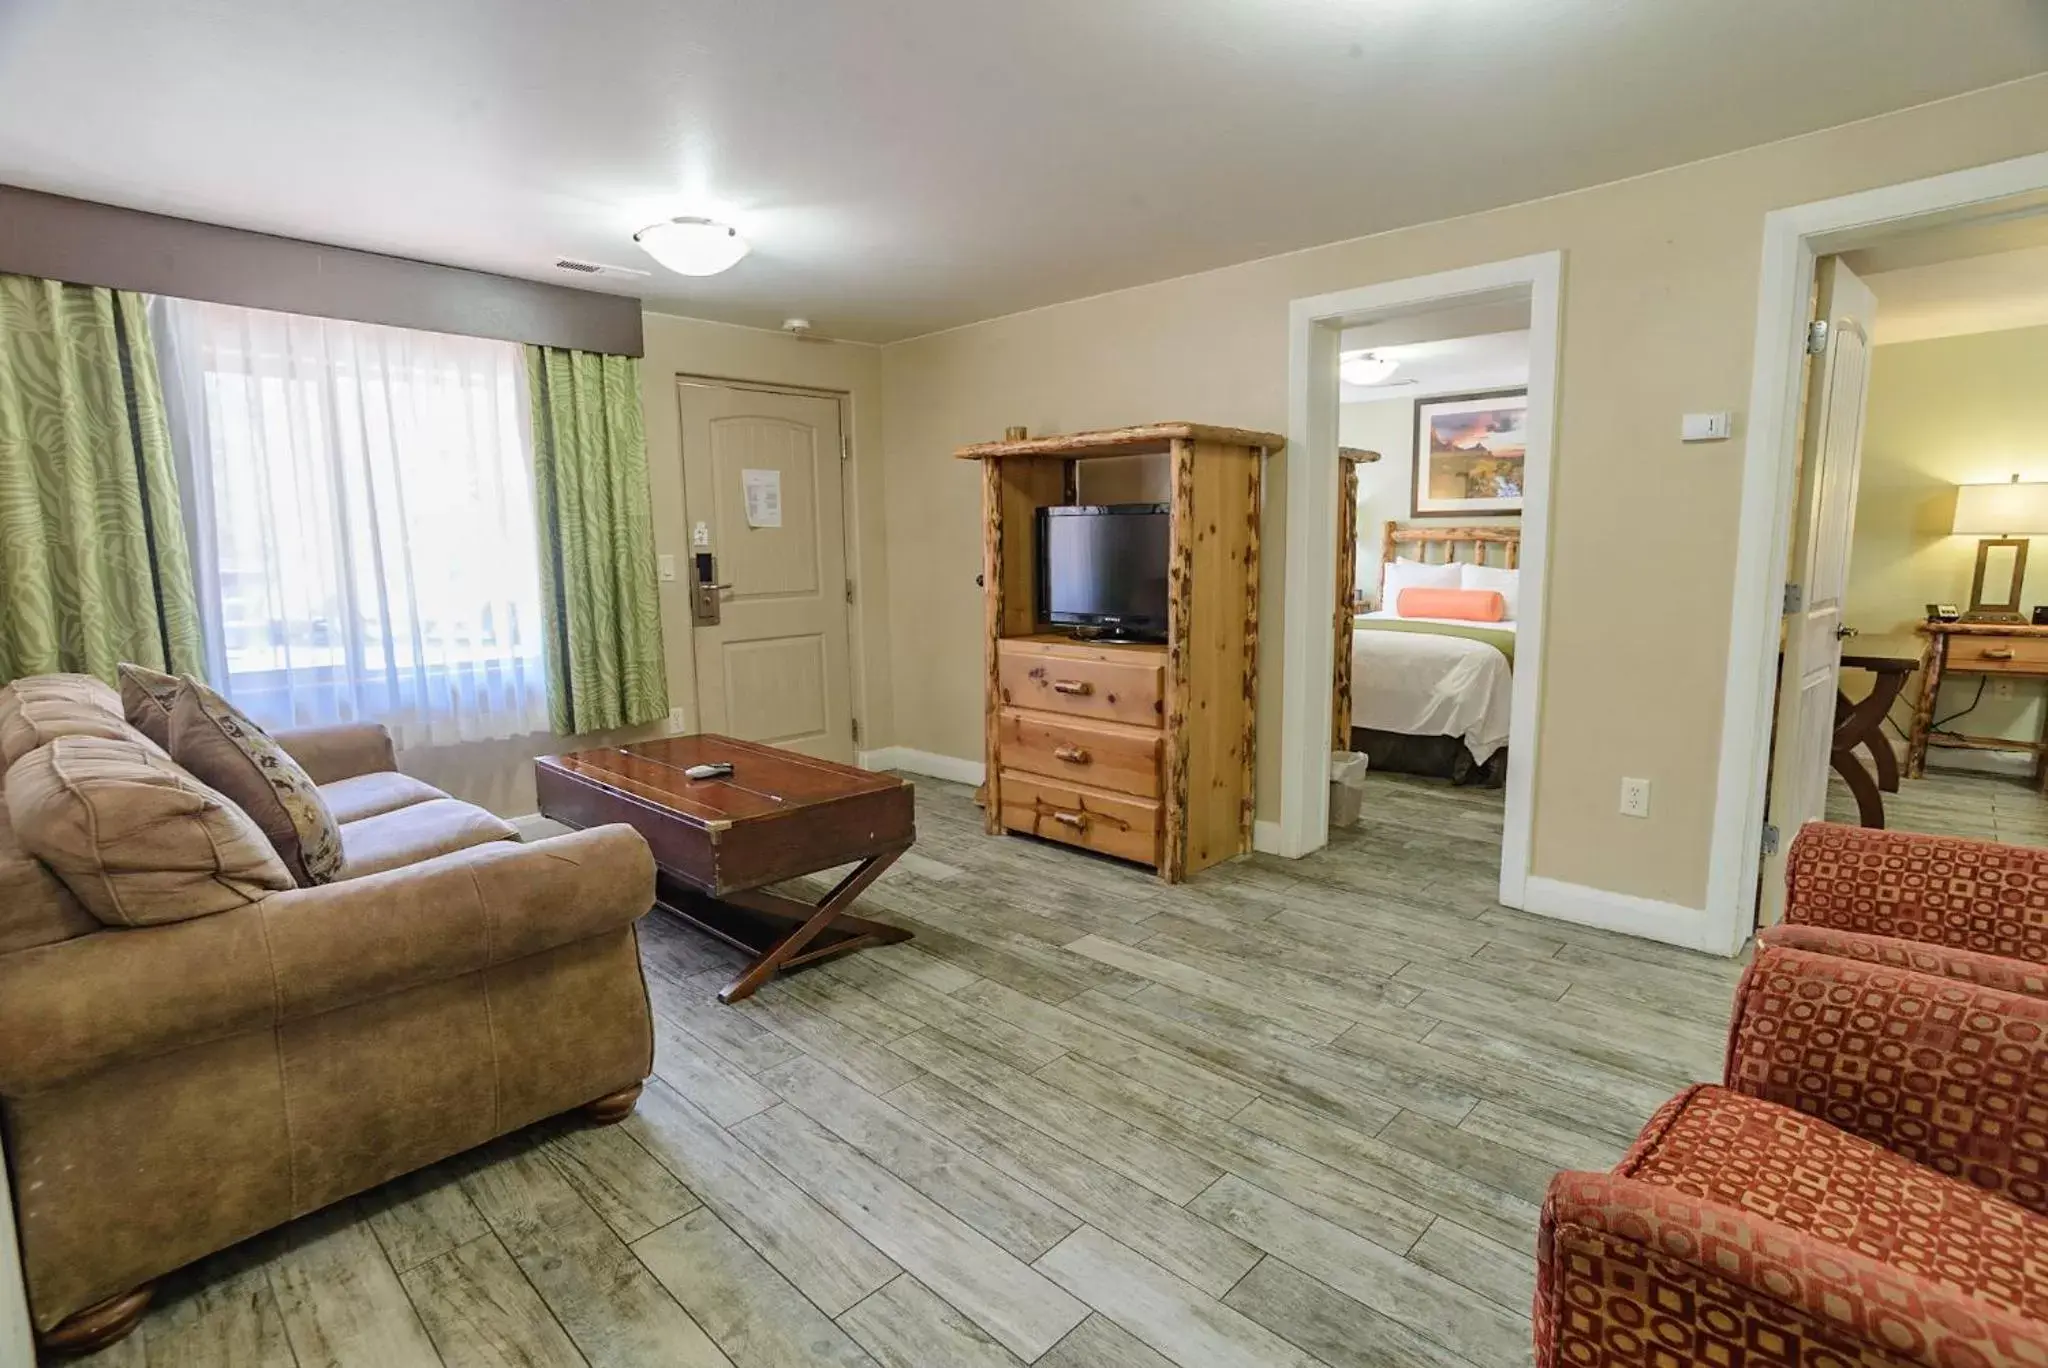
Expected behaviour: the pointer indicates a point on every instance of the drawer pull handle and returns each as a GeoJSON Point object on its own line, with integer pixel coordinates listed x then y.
{"type": "Point", "coordinates": [1077, 820]}
{"type": "Point", "coordinates": [1999, 653]}
{"type": "Point", "coordinates": [1079, 688]}
{"type": "Point", "coordinates": [1073, 755]}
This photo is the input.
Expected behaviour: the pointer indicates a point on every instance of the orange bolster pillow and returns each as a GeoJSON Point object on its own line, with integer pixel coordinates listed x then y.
{"type": "Point", "coordinates": [1465, 605]}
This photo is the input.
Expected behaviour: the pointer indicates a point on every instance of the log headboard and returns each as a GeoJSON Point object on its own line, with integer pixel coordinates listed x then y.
{"type": "Point", "coordinates": [1418, 540]}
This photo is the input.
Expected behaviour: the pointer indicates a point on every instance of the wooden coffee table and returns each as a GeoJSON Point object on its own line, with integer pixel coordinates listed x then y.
{"type": "Point", "coordinates": [719, 843]}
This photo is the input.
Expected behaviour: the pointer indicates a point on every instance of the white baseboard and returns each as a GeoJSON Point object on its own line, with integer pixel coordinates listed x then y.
{"type": "Point", "coordinates": [1266, 837]}
{"type": "Point", "coordinates": [910, 761]}
{"type": "Point", "coordinates": [1671, 923]}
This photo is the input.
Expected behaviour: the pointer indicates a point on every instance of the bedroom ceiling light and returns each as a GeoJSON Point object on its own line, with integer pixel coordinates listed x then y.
{"type": "Point", "coordinates": [1363, 368]}
{"type": "Point", "coordinates": [693, 246]}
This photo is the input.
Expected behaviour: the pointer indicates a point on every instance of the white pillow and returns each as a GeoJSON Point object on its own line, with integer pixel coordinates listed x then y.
{"type": "Point", "coordinates": [1409, 574]}
{"type": "Point", "coordinates": [1506, 583]}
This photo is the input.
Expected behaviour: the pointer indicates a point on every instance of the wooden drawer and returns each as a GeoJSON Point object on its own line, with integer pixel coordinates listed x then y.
{"type": "Point", "coordinates": [2017, 655]}
{"type": "Point", "coordinates": [1106, 822]}
{"type": "Point", "coordinates": [1105, 684]}
{"type": "Point", "coordinates": [1103, 755]}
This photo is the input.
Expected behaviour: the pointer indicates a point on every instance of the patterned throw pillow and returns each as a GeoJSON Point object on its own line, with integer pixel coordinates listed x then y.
{"type": "Point", "coordinates": [225, 750]}
{"type": "Point", "coordinates": [147, 697]}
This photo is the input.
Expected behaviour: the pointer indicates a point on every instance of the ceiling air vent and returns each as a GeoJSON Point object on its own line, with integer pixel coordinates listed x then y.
{"type": "Point", "coordinates": [576, 266]}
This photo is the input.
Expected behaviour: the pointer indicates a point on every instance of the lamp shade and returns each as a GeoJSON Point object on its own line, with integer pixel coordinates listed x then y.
{"type": "Point", "coordinates": [1997, 510]}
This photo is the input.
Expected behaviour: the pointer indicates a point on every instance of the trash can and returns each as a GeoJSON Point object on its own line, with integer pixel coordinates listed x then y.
{"type": "Point", "coordinates": [1347, 787]}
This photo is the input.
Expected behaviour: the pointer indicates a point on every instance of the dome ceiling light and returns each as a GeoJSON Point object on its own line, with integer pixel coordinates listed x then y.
{"type": "Point", "coordinates": [1363, 368]}
{"type": "Point", "coordinates": [693, 246]}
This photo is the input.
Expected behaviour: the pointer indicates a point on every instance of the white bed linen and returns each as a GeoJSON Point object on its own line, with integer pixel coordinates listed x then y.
{"type": "Point", "coordinates": [1419, 684]}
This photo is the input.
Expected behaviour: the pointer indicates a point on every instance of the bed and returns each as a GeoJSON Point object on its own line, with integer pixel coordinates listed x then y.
{"type": "Point", "coordinates": [1428, 695]}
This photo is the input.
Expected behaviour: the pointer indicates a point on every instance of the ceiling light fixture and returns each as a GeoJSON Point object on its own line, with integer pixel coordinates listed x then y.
{"type": "Point", "coordinates": [693, 246]}
{"type": "Point", "coordinates": [1363, 368]}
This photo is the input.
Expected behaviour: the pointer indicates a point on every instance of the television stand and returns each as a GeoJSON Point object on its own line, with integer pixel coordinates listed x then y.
{"type": "Point", "coordinates": [1143, 750]}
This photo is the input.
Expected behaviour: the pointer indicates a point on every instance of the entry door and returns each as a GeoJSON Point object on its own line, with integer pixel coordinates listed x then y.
{"type": "Point", "coordinates": [1824, 519]}
{"type": "Point", "coordinates": [763, 494]}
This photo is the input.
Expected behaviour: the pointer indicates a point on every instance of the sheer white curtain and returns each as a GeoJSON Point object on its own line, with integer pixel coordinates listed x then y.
{"type": "Point", "coordinates": [360, 505]}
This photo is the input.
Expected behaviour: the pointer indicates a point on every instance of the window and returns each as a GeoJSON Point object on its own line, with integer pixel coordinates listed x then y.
{"type": "Point", "coordinates": [359, 502]}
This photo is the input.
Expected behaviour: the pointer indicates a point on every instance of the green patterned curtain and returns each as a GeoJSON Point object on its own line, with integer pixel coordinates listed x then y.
{"type": "Point", "coordinates": [597, 570]}
{"type": "Point", "coordinates": [93, 566]}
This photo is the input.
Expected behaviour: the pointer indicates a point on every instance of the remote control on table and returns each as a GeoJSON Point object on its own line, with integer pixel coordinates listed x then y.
{"type": "Point", "coordinates": [720, 770]}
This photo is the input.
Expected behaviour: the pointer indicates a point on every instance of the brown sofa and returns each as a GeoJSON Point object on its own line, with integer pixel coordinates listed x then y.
{"type": "Point", "coordinates": [169, 1089]}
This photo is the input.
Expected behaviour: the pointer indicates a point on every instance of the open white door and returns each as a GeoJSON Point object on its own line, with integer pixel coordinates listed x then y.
{"type": "Point", "coordinates": [1823, 521]}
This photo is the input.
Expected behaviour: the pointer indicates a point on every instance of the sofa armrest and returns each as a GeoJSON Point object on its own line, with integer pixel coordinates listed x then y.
{"type": "Point", "coordinates": [1945, 890]}
{"type": "Point", "coordinates": [86, 1004]}
{"type": "Point", "coordinates": [1947, 1073]}
{"type": "Point", "coordinates": [1616, 1255]}
{"type": "Point", "coordinates": [331, 754]}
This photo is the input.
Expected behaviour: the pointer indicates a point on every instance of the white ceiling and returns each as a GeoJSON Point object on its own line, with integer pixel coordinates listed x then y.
{"type": "Point", "coordinates": [1452, 365]}
{"type": "Point", "coordinates": [907, 165]}
{"type": "Point", "coordinates": [1973, 278]}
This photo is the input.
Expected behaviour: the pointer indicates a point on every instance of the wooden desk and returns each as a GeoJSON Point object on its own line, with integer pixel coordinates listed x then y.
{"type": "Point", "coordinates": [1860, 725]}
{"type": "Point", "coordinates": [1976, 648]}
{"type": "Point", "coordinates": [718, 843]}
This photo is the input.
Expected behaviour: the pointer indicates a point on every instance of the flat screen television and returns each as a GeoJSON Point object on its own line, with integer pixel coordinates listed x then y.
{"type": "Point", "coordinates": [1103, 567]}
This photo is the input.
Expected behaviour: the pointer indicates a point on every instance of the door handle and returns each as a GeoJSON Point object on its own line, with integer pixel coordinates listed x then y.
{"type": "Point", "coordinates": [1844, 633]}
{"type": "Point", "coordinates": [705, 589]}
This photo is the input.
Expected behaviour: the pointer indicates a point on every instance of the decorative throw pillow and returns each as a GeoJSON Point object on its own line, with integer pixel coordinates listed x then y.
{"type": "Point", "coordinates": [147, 697]}
{"type": "Point", "coordinates": [226, 750]}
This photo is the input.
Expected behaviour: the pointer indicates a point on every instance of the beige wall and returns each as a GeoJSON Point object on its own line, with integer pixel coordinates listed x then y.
{"type": "Point", "coordinates": [499, 775]}
{"type": "Point", "coordinates": [1659, 313]}
{"type": "Point", "coordinates": [1957, 410]}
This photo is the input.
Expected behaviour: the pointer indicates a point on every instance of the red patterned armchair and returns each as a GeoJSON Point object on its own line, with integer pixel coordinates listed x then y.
{"type": "Point", "coordinates": [1868, 1187]}
{"type": "Point", "coordinates": [1968, 895]}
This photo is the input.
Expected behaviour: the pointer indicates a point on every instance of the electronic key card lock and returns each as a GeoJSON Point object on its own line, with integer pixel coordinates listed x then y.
{"type": "Point", "coordinates": [705, 589]}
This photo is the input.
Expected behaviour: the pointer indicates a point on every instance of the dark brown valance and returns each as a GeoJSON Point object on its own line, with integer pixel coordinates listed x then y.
{"type": "Point", "coordinates": [127, 249]}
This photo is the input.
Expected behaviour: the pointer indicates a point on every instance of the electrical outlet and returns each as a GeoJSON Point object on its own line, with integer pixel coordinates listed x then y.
{"type": "Point", "coordinates": [678, 721]}
{"type": "Point", "coordinates": [1635, 797]}
{"type": "Point", "coordinates": [2004, 688]}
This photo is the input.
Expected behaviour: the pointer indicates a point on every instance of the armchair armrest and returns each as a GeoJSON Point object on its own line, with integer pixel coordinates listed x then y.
{"type": "Point", "coordinates": [331, 754]}
{"type": "Point", "coordinates": [86, 1004]}
{"type": "Point", "coordinates": [1945, 1072]}
{"type": "Point", "coordinates": [1945, 890]}
{"type": "Point", "coordinates": [1616, 1256]}
{"type": "Point", "coordinates": [1943, 961]}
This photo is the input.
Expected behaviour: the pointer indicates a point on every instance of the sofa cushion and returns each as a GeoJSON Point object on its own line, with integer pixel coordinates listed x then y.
{"type": "Point", "coordinates": [134, 836]}
{"type": "Point", "coordinates": [37, 709]}
{"type": "Point", "coordinates": [1802, 1174]}
{"type": "Point", "coordinates": [35, 906]}
{"type": "Point", "coordinates": [222, 747]}
{"type": "Point", "coordinates": [368, 795]}
{"type": "Point", "coordinates": [147, 697]}
{"type": "Point", "coordinates": [408, 835]}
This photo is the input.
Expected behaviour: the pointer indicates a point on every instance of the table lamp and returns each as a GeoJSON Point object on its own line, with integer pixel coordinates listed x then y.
{"type": "Point", "coordinates": [2003, 516]}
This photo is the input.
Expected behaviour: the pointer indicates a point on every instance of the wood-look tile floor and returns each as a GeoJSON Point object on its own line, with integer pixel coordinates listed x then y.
{"type": "Point", "coordinates": [1290, 1113]}
{"type": "Point", "coordinates": [1986, 807]}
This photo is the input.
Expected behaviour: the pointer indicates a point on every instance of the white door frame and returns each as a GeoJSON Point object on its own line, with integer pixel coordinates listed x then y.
{"type": "Point", "coordinates": [1794, 239]}
{"type": "Point", "coordinates": [1311, 555]}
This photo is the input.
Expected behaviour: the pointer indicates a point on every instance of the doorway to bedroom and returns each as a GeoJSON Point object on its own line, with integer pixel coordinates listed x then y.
{"type": "Point", "coordinates": [1432, 422]}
